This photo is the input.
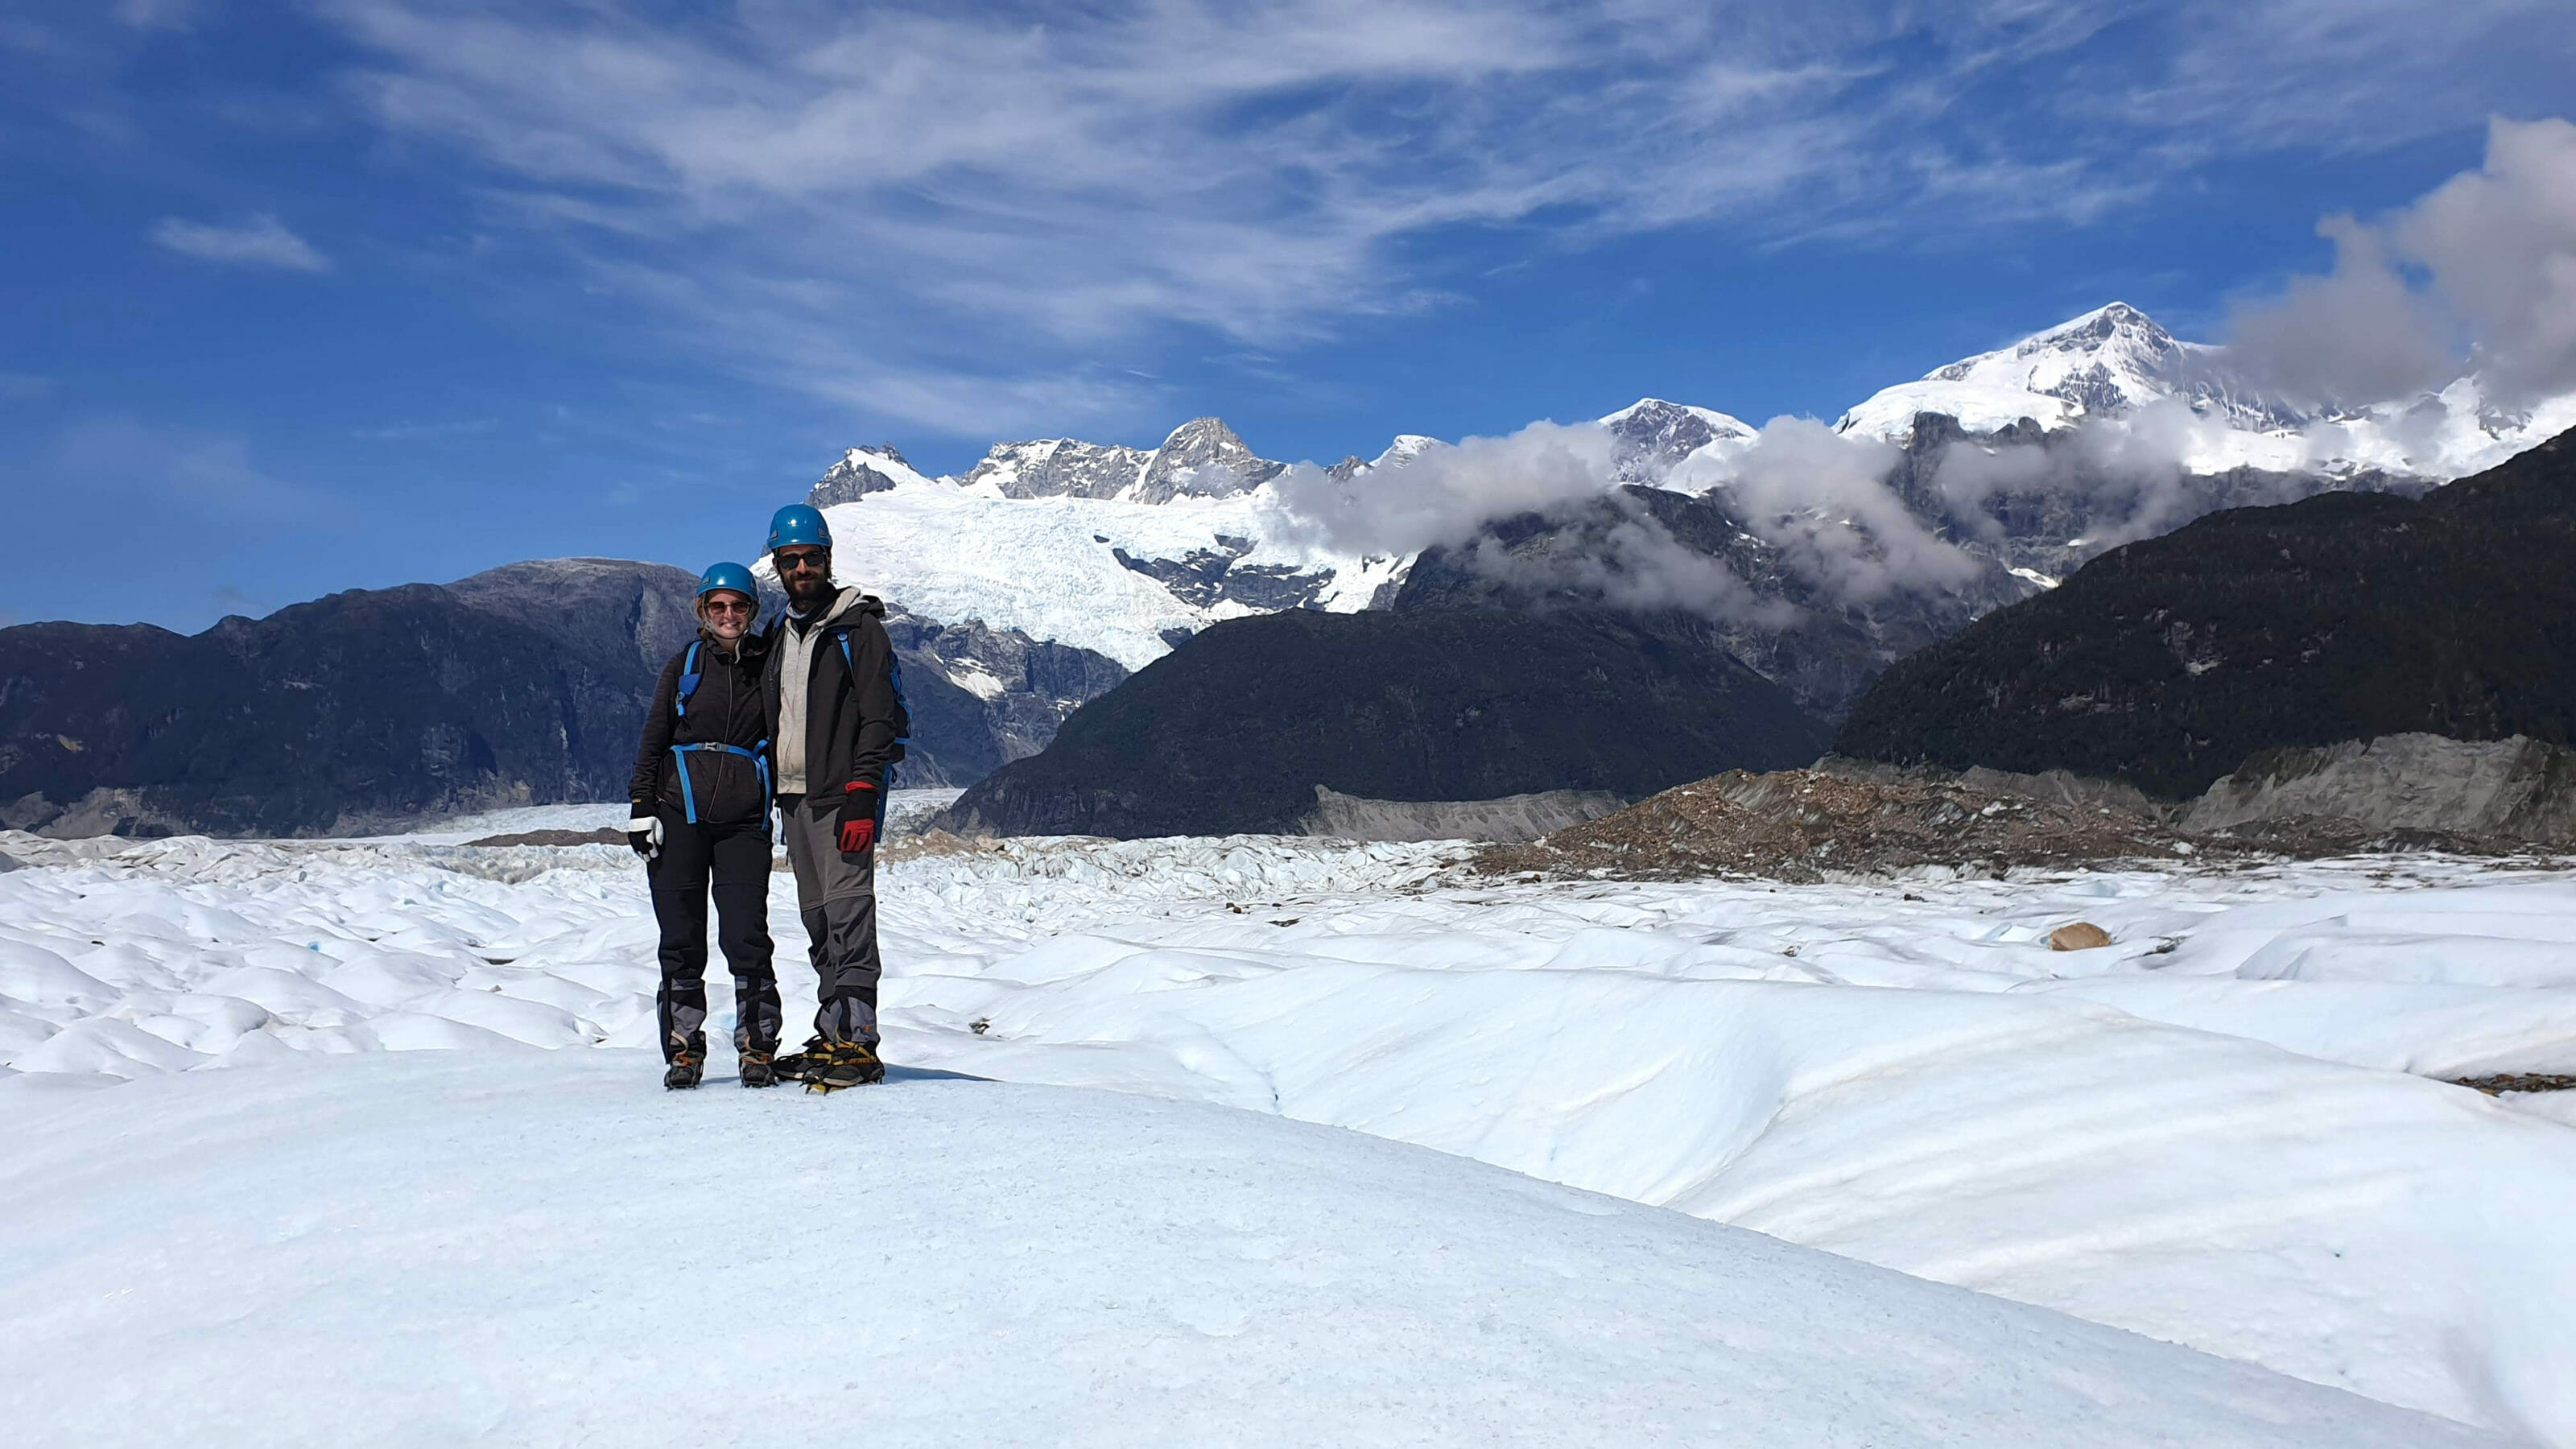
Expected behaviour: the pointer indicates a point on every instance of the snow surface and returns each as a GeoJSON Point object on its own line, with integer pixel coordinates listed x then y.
{"type": "Point", "coordinates": [1725, 425]}
{"type": "Point", "coordinates": [434, 1250]}
{"type": "Point", "coordinates": [2207, 1133]}
{"type": "Point", "coordinates": [1046, 566]}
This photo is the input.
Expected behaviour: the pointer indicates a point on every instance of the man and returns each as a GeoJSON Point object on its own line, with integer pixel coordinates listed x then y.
{"type": "Point", "coordinates": [837, 724]}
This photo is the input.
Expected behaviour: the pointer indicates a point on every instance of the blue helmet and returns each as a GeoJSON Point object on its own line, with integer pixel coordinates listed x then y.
{"type": "Point", "coordinates": [798, 523]}
{"type": "Point", "coordinates": [731, 576]}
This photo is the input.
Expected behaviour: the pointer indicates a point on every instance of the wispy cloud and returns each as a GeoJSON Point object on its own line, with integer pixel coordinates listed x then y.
{"type": "Point", "coordinates": [156, 14]}
{"type": "Point", "coordinates": [118, 457]}
{"type": "Point", "coordinates": [941, 212]}
{"type": "Point", "coordinates": [409, 432]}
{"type": "Point", "coordinates": [262, 241]}
{"type": "Point", "coordinates": [977, 219]}
{"type": "Point", "coordinates": [2349, 76]}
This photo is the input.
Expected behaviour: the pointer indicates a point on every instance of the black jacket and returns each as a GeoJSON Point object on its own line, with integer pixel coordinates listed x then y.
{"type": "Point", "coordinates": [725, 709]}
{"type": "Point", "coordinates": [856, 722]}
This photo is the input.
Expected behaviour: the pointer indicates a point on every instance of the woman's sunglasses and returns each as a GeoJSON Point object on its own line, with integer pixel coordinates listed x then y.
{"type": "Point", "coordinates": [730, 606]}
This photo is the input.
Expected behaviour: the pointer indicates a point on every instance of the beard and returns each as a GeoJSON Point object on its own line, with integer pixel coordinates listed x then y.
{"type": "Point", "coordinates": [807, 590]}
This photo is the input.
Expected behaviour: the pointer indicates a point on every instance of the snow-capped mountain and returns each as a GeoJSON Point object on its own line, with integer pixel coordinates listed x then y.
{"type": "Point", "coordinates": [1202, 458]}
{"type": "Point", "coordinates": [2116, 367]}
{"type": "Point", "coordinates": [1111, 572]}
{"type": "Point", "coordinates": [2027, 460]}
{"type": "Point", "coordinates": [2107, 363]}
{"type": "Point", "coordinates": [1653, 435]}
{"type": "Point", "coordinates": [863, 471]}
{"type": "Point", "coordinates": [1053, 468]}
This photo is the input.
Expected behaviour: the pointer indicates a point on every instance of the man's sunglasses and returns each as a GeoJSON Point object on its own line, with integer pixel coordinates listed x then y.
{"type": "Point", "coordinates": [731, 606]}
{"type": "Point", "coordinates": [798, 558]}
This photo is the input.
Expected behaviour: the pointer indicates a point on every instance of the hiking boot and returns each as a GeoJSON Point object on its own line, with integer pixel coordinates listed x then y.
{"type": "Point", "coordinates": [795, 1066]}
{"type": "Point", "coordinates": [684, 1072]}
{"type": "Point", "coordinates": [843, 1064]}
{"type": "Point", "coordinates": [757, 1069]}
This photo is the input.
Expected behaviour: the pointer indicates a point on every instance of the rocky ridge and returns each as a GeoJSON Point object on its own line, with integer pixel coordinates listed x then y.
{"type": "Point", "coordinates": [523, 685]}
{"type": "Point", "coordinates": [1847, 819]}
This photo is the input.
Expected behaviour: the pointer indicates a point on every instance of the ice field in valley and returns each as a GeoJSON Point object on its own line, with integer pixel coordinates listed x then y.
{"type": "Point", "coordinates": [2223, 1131]}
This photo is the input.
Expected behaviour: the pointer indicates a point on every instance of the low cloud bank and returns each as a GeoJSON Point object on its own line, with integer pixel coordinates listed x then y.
{"type": "Point", "coordinates": [1822, 499]}
{"type": "Point", "coordinates": [1817, 497]}
{"type": "Point", "coordinates": [1446, 497]}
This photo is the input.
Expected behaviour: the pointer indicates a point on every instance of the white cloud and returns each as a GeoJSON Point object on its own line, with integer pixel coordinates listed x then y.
{"type": "Point", "coordinates": [2495, 249]}
{"type": "Point", "coordinates": [156, 14]}
{"type": "Point", "coordinates": [1822, 499]}
{"type": "Point", "coordinates": [956, 216]}
{"type": "Point", "coordinates": [263, 241]}
{"type": "Point", "coordinates": [2346, 76]}
{"type": "Point", "coordinates": [980, 219]}
{"type": "Point", "coordinates": [119, 458]}
{"type": "Point", "coordinates": [1444, 495]}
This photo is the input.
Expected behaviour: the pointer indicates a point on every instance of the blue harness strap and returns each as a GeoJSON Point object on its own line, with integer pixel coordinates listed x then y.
{"type": "Point", "coordinates": [689, 677]}
{"type": "Point", "coordinates": [758, 755]}
{"type": "Point", "coordinates": [688, 798]}
{"type": "Point", "coordinates": [894, 676]}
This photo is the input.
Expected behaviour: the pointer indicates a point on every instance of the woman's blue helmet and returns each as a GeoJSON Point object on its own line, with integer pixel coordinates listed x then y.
{"type": "Point", "coordinates": [731, 576]}
{"type": "Point", "coordinates": [798, 523]}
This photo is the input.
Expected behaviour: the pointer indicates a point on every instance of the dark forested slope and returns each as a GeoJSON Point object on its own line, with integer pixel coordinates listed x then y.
{"type": "Point", "coordinates": [1233, 730]}
{"type": "Point", "coordinates": [2345, 616]}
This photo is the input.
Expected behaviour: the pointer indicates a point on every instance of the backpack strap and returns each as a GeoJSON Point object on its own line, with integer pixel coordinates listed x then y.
{"type": "Point", "coordinates": [689, 677]}
{"type": "Point", "coordinates": [894, 674]}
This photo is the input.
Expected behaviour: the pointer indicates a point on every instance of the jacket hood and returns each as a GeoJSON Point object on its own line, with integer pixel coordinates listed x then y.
{"type": "Point", "coordinates": [850, 604]}
{"type": "Point", "coordinates": [751, 645]}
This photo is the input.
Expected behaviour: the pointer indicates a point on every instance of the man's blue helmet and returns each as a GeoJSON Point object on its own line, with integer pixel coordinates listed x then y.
{"type": "Point", "coordinates": [728, 576]}
{"type": "Point", "coordinates": [798, 523]}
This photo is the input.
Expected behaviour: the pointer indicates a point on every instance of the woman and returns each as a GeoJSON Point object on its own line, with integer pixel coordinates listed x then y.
{"type": "Point", "coordinates": [701, 793]}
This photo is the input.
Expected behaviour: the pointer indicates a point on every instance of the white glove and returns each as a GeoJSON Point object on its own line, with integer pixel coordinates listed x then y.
{"type": "Point", "coordinates": [644, 832]}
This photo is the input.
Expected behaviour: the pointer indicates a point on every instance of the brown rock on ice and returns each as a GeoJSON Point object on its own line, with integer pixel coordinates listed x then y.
{"type": "Point", "coordinates": [2079, 936]}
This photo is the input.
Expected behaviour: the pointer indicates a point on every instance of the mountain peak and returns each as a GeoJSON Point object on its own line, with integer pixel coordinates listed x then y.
{"type": "Point", "coordinates": [2107, 363]}
{"type": "Point", "coordinates": [1205, 458]}
{"type": "Point", "coordinates": [1058, 468]}
{"type": "Point", "coordinates": [1652, 435]}
{"type": "Point", "coordinates": [860, 472]}
{"type": "Point", "coordinates": [2100, 325]}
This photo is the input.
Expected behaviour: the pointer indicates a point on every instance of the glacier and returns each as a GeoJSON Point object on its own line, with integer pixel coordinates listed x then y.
{"type": "Point", "coordinates": [2218, 1131]}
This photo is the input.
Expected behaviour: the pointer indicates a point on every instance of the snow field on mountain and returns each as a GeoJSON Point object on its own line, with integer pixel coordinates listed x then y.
{"type": "Point", "coordinates": [440, 1248]}
{"type": "Point", "coordinates": [1044, 566]}
{"type": "Point", "coordinates": [2153, 398]}
{"type": "Point", "coordinates": [2200, 1133]}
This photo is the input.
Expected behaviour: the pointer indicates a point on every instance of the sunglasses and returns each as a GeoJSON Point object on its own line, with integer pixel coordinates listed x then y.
{"type": "Point", "coordinates": [801, 558]}
{"type": "Point", "coordinates": [731, 606]}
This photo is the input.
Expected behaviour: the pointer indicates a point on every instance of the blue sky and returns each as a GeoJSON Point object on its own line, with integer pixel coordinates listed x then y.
{"type": "Point", "coordinates": [303, 297]}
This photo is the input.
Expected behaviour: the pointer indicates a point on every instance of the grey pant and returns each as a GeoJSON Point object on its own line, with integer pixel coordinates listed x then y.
{"type": "Point", "coordinates": [837, 896]}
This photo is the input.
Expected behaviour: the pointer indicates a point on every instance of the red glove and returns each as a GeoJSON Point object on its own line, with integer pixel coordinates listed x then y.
{"type": "Point", "coordinates": [858, 817]}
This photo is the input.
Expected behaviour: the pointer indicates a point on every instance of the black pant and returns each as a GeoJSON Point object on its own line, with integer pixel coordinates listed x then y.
{"type": "Point", "coordinates": [737, 856]}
